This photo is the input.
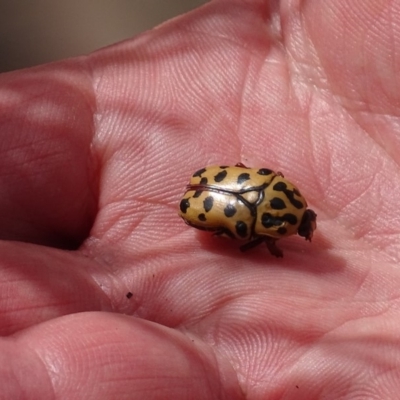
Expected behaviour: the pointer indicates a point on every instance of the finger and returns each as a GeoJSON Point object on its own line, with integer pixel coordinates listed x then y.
{"type": "Point", "coordinates": [39, 283]}
{"type": "Point", "coordinates": [108, 356]}
{"type": "Point", "coordinates": [48, 185]}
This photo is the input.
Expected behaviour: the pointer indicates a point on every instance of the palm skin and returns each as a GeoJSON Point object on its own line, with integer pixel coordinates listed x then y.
{"type": "Point", "coordinates": [98, 151]}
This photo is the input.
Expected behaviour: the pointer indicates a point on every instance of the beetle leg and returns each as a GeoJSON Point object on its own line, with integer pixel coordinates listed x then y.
{"type": "Point", "coordinates": [253, 243]}
{"type": "Point", "coordinates": [273, 248]}
{"type": "Point", "coordinates": [270, 242]}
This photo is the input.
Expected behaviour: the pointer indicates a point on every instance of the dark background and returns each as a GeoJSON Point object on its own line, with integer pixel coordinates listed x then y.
{"type": "Point", "coordinates": [40, 31]}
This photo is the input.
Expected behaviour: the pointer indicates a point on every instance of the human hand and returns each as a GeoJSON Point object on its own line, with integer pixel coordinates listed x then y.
{"type": "Point", "coordinates": [96, 152]}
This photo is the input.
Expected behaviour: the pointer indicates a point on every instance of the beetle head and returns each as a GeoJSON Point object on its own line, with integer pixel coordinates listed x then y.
{"type": "Point", "coordinates": [308, 224]}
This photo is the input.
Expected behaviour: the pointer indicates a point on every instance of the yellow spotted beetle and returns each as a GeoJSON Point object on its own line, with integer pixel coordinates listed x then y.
{"type": "Point", "coordinates": [256, 205]}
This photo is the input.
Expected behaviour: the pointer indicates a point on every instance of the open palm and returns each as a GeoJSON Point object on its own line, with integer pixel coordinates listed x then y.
{"type": "Point", "coordinates": [95, 154]}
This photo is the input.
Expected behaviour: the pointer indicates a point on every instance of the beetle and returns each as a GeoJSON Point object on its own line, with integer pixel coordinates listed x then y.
{"type": "Point", "coordinates": [255, 205]}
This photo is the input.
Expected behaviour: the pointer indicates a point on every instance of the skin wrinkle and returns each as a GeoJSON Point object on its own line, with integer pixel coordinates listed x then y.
{"type": "Point", "coordinates": [381, 145]}
{"type": "Point", "coordinates": [239, 117]}
{"type": "Point", "coordinates": [346, 108]}
{"type": "Point", "coordinates": [364, 128]}
{"type": "Point", "coordinates": [49, 369]}
{"type": "Point", "coordinates": [312, 146]}
{"type": "Point", "coordinates": [364, 237]}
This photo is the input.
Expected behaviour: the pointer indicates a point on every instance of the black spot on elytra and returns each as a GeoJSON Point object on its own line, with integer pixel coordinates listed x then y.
{"type": "Point", "coordinates": [268, 220]}
{"type": "Point", "coordinates": [265, 171]}
{"type": "Point", "coordinates": [282, 187]}
{"type": "Point", "coordinates": [220, 176]}
{"type": "Point", "coordinates": [208, 203]}
{"type": "Point", "coordinates": [197, 193]}
{"type": "Point", "coordinates": [199, 172]}
{"type": "Point", "coordinates": [202, 217]}
{"type": "Point", "coordinates": [241, 229]}
{"type": "Point", "coordinates": [282, 230]}
{"type": "Point", "coordinates": [184, 205]}
{"type": "Point", "coordinates": [230, 210]}
{"type": "Point", "coordinates": [224, 166]}
{"type": "Point", "coordinates": [277, 203]}
{"type": "Point", "coordinates": [203, 181]}
{"type": "Point", "coordinates": [243, 178]}
{"type": "Point", "coordinates": [291, 218]}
